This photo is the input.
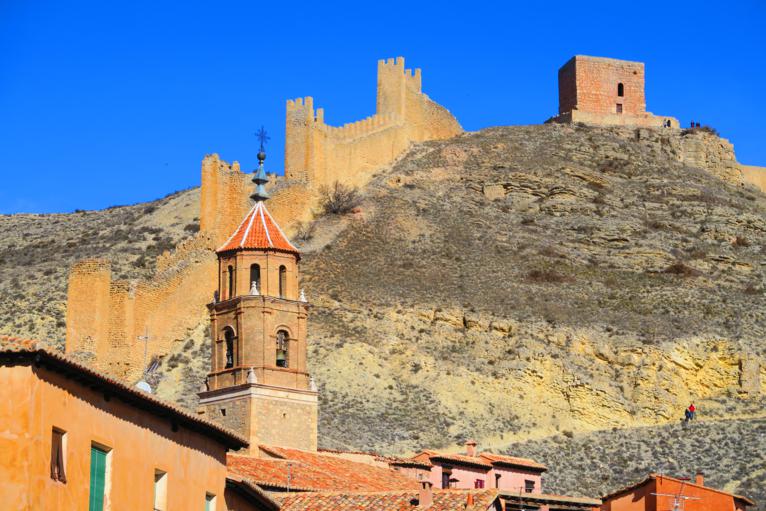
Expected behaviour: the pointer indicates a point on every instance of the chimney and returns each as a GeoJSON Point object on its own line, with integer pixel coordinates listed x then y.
{"type": "Point", "coordinates": [699, 478]}
{"type": "Point", "coordinates": [426, 495]}
{"type": "Point", "coordinates": [469, 500]}
{"type": "Point", "coordinates": [470, 448]}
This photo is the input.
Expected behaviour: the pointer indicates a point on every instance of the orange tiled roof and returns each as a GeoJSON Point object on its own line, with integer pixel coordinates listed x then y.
{"type": "Point", "coordinates": [258, 231]}
{"type": "Point", "coordinates": [502, 459]}
{"type": "Point", "coordinates": [443, 500]}
{"type": "Point", "coordinates": [310, 471]}
{"type": "Point", "coordinates": [651, 477]}
{"type": "Point", "coordinates": [16, 348]}
{"type": "Point", "coordinates": [462, 459]}
{"type": "Point", "coordinates": [483, 460]}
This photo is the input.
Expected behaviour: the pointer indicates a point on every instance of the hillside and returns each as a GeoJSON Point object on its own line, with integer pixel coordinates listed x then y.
{"type": "Point", "coordinates": [565, 285]}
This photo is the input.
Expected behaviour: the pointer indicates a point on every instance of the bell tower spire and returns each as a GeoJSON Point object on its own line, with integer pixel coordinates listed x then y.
{"type": "Point", "coordinates": [258, 382]}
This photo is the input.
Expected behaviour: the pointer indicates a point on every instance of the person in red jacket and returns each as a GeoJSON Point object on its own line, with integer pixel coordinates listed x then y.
{"type": "Point", "coordinates": [691, 410]}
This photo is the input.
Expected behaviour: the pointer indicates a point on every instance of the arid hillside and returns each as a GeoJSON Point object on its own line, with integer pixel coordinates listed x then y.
{"type": "Point", "coordinates": [564, 286]}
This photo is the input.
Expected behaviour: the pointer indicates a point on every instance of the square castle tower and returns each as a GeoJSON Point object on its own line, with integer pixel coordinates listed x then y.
{"type": "Point", "coordinates": [603, 91]}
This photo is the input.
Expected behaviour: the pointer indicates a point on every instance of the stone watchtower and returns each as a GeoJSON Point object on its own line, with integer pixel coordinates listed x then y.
{"type": "Point", "coordinates": [603, 91]}
{"type": "Point", "coordinates": [258, 382]}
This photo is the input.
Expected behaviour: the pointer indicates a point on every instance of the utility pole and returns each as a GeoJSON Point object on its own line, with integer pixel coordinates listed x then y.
{"type": "Point", "coordinates": [143, 384]}
{"type": "Point", "coordinates": [144, 338]}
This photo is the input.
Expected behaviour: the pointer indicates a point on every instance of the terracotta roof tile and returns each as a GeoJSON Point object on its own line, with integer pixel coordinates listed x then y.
{"type": "Point", "coordinates": [310, 471]}
{"type": "Point", "coordinates": [258, 231]}
{"type": "Point", "coordinates": [462, 459]}
{"type": "Point", "coordinates": [502, 459]}
{"type": "Point", "coordinates": [484, 460]}
{"type": "Point", "coordinates": [443, 500]}
{"type": "Point", "coordinates": [15, 347]}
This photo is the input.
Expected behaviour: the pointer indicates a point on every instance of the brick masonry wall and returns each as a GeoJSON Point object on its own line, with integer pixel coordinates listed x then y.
{"type": "Point", "coordinates": [589, 93]}
{"type": "Point", "coordinates": [597, 81]}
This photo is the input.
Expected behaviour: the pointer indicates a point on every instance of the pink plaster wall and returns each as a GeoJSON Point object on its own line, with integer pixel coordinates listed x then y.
{"type": "Point", "coordinates": [513, 479]}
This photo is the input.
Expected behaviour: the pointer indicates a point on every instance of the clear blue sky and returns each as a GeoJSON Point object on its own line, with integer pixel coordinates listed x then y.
{"type": "Point", "coordinates": [105, 103]}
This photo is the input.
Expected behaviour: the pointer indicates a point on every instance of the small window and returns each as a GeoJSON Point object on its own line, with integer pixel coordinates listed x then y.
{"type": "Point", "coordinates": [529, 486]}
{"type": "Point", "coordinates": [229, 339]}
{"type": "Point", "coordinates": [231, 283]}
{"type": "Point", "coordinates": [282, 281]}
{"type": "Point", "coordinates": [209, 502]}
{"type": "Point", "coordinates": [478, 484]}
{"type": "Point", "coordinates": [282, 348]}
{"type": "Point", "coordinates": [99, 482]}
{"type": "Point", "coordinates": [58, 455]}
{"type": "Point", "coordinates": [497, 480]}
{"type": "Point", "coordinates": [160, 490]}
{"type": "Point", "coordinates": [255, 277]}
{"type": "Point", "coordinates": [620, 90]}
{"type": "Point", "coordinates": [446, 473]}
{"type": "Point", "coordinates": [619, 108]}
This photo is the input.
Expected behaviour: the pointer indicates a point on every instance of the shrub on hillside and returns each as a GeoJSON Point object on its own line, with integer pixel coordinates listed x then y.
{"type": "Point", "coordinates": [702, 129]}
{"type": "Point", "coordinates": [339, 199]}
{"type": "Point", "coordinates": [680, 269]}
{"type": "Point", "coordinates": [547, 275]}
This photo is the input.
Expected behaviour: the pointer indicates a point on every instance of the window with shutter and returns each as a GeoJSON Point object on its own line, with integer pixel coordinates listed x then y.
{"type": "Point", "coordinates": [209, 502]}
{"type": "Point", "coordinates": [97, 479]}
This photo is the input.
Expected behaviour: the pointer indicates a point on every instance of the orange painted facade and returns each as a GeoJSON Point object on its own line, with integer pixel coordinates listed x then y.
{"type": "Point", "coordinates": [141, 436]}
{"type": "Point", "coordinates": [659, 493]}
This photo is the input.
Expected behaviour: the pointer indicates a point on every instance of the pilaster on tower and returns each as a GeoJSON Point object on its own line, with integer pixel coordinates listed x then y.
{"type": "Point", "coordinates": [258, 382]}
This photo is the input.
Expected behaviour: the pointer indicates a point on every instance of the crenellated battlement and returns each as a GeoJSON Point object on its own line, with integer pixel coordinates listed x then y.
{"type": "Point", "coordinates": [106, 317]}
{"type": "Point", "coordinates": [318, 154]}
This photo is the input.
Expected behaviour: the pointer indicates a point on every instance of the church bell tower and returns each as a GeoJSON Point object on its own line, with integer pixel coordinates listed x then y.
{"type": "Point", "coordinates": [258, 382]}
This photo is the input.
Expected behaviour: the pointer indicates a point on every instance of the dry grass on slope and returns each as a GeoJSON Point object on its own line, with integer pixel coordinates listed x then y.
{"type": "Point", "coordinates": [731, 453]}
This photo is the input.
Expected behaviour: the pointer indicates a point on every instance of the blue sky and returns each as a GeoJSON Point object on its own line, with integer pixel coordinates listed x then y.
{"type": "Point", "coordinates": [109, 103]}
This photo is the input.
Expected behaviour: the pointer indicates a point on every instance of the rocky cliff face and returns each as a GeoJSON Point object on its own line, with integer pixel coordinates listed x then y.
{"type": "Point", "coordinates": [541, 282]}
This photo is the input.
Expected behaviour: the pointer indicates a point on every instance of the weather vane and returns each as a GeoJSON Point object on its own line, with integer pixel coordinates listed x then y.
{"type": "Point", "coordinates": [263, 137]}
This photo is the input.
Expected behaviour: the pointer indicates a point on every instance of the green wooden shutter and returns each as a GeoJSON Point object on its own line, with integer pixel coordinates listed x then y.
{"type": "Point", "coordinates": [97, 479]}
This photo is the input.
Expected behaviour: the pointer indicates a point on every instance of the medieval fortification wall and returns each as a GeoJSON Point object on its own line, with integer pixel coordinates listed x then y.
{"type": "Point", "coordinates": [106, 317]}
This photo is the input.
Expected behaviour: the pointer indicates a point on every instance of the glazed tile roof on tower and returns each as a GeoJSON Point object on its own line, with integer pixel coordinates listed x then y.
{"type": "Point", "coordinates": [258, 231]}
{"type": "Point", "coordinates": [310, 471]}
{"type": "Point", "coordinates": [443, 500]}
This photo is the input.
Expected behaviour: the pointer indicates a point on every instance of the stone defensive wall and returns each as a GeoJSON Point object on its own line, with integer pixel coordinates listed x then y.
{"type": "Point", "coordinates": [319, 154]}
{"type": "Point", "coordinates": [105, 317]}
{"type": "Point", "coordinates": [756, 176]}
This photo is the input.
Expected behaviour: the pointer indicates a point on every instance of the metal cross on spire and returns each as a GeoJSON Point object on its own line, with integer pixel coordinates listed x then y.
{"type": "Point", "coordinates": [259, 176]}
{"type": "Point", "coordinates": [263, 137]}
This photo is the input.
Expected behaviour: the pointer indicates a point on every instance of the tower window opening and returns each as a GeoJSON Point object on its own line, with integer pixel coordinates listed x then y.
{"type": "Point", "coordinates": [255, 277]}
{"type": "Point", "coordinates": [620, 89]}
{"type": "Point", "coordinates": [231, 283]}
{"type": "Point", "coordinates": [282, 348]}
{"type": "Point", "coordinates": [282, 281]}
{"type": "Point", "coordinates": [229, 339]}
{"type": "Point", "coordinates": [619, 108]}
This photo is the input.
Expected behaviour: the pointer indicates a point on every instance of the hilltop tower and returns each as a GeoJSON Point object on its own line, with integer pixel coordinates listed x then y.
{"type": "Point", "coordinates": [258, 382]}
{"type": "Point", "coordinates": [603, 91]}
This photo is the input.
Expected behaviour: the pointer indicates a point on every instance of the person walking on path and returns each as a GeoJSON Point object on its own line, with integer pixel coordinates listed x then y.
{"type": "Point", "coordinates": [691, 411]}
